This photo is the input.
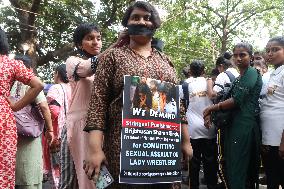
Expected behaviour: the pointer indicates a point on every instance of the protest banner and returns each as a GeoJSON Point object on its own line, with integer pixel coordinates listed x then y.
{"type": "Point", "coordinates": [151, 134]}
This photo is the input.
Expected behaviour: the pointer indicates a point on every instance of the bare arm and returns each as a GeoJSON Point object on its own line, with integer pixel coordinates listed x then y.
{"type": "Point", "coordinates": [225, 105]}
{"type": "Point", "coordinates": [96, 156]}
{"type": "Point", "coordinates": [281, 147]}
{"type": "Point", "coordinates": [36, 86]}
{"type": "Point", "coordinates": [47, 117]}
{"type": "Point", "coordinates": [185, 143]}
{"type": "Point", "coordinates": [210, 92]}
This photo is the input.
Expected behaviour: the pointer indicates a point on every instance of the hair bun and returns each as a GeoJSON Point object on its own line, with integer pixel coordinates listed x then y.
{"type": "Point", "coordinates": [227, 55]}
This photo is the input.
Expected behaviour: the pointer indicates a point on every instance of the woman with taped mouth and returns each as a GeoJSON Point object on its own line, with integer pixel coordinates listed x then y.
{"type": "Point", "coordinates": [105, 111]}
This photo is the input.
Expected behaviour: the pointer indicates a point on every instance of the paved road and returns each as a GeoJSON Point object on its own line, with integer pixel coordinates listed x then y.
{"type": "Point", "coordinates": [205, 187]}
{"type": "Point", "coordinates": [47, 185]}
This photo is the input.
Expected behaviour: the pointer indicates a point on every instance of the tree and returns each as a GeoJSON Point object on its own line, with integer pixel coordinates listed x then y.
{"type": "Point", "coordinates": [196, 29]}
{"type": "Point", "coordinates": [185, 36]}
{"type": "Point", "coordinates": [230, 16]}
{"type": "Point", "coordinates": [47, 25]}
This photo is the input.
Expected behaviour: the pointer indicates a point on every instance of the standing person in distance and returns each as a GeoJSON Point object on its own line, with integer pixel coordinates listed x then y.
{"type": "Point", "coordinates": [29, 162]}
{"type": "Point", "coordinates": [10, 71]}
{"type": "Point", "coordinates": [58, 97]}
{"type": "Point", "coordinates": [203, 140]}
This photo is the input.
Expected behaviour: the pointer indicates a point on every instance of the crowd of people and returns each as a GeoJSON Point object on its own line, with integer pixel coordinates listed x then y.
{"type": "Point", "coordinates": [83, 110]}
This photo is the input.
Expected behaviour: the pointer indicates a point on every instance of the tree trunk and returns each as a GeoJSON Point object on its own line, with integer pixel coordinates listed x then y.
{"type": "Point", "coordinates": [224, 42]}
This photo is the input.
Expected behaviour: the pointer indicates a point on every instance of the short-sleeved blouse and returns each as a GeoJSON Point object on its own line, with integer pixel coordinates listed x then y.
{"type": "Point", "coordinates": [10, 71]}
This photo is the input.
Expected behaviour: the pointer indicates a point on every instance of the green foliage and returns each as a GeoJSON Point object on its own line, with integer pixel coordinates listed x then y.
{"type": "Point", "coordinates": [54, 25]}
{"type": "Point", "coordinates": [192, 29]}
{"type": "Point", "coordinates": [204, 29]}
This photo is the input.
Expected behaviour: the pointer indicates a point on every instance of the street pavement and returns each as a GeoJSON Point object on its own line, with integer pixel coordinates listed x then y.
{"type": "Point", "coordinates": [47, 185]}
{"type": "Point", "coordinates": [202, 186]}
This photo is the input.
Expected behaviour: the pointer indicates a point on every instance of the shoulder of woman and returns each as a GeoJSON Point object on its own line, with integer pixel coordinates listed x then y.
{"type": "Point", "coordinates": [72, 59]}
{"type": "Point", "coordinates": [252, 72]}
{"type": "Point", "coordinates": [54, 87]}
{"type": "Point", "coordinates": [250, 77]}
{"type": "Point", "coordinates": [165, 57]}
{"type": "Point", "coordinates": [13, 62]}
{"type": "Point", "coordinates": [112, 54]}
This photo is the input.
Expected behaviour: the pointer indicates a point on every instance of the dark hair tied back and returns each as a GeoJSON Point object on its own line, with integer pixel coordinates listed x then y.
{"type": "Point", "coordinates": [62, 73]}
{"type": "Point", "coordinates": [197, 68]}
{"type": "Point", "coordinates": [26, 60]}
{"type": "Point", "coordinates": [223, 61]}
{"type": "Point", "coordinates": [278, 39]}
{"type": "Point", "coordinates": [227, 55]}
{"type": "Point", "coordinates": [246, 46]}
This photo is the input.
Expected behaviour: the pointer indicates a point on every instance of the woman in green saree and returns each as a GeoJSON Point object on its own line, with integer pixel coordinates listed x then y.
{"type": "Point", "coordinates": [242, 135]}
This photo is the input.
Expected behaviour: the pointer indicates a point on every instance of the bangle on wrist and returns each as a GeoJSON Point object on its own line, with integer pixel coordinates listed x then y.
{"type": "Point", "coordinates": [47, 130]}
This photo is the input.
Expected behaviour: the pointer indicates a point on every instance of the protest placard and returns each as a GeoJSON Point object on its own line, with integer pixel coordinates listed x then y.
{"type": "Point", "coordinates": [151, 134]}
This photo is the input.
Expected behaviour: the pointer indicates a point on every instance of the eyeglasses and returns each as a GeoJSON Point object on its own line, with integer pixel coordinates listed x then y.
{"type": "Point", "coordinates": [241, 55]}
{"type": "Point", "coordinates": [273, 49]}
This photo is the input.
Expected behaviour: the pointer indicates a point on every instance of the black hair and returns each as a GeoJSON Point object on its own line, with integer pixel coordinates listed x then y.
{"type": "Point", "coordinates": [223, 61]}
{"type": "Point", "coordinates": [144, 89]}
{"type": "Point", "coordinates": [155, 18]}
{"type": "Point", "coordinates": [26, 60]}
{"type": "Point", "coordinates": [227, 55]}
{"type": "Point", "coordinates": [62, 73]}
{"type": "Point", "coordinates": [215, 72]}
{"type": "Point", "coordinates": [169, 89]}
{"type": "Point", "coordinates": [278, 39]}
{"type": "Point", "coordinates": [157, 44]}
{"type": "Point", "coordinates": [4, 45]}
{"type": "Point", "coordinates": [81, 31]}
{"type": "Point", "coordinates": [246, 46]}
{"type": "Point", "coordinates": [196, 68]}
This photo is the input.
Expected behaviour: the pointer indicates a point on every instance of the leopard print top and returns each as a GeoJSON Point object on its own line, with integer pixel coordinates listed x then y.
{"type": "Point", "coordinates": [105, 110]}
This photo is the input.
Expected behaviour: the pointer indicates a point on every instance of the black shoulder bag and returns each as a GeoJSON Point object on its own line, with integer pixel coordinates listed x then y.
{"type": "Point", "coordinates": [222, 118]}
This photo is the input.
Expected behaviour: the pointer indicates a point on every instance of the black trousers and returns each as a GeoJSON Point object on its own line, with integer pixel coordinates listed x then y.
{"type": "Point", "coordinates": [204, 150]}
{"type": "Point", "coordinates": [273, 167]}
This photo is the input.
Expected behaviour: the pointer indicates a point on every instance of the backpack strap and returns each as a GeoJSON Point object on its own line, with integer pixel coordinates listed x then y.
{"type": "Point", "coordinates": [231, 76]}
{"type": "Point", "coordinates": [219, 85]}
{"type": "Point", "coordinates": [65, 111]}
{"type": "Point", "coordinates": [185, 93]}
